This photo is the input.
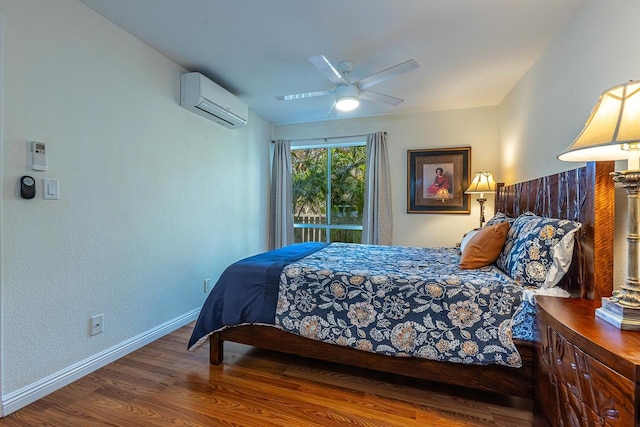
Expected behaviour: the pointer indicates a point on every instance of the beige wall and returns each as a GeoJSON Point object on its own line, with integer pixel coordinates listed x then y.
{"type": "Point", "coordinates": [476, 127]}
{"type": "Point", "coordinates": [549, 106]}
{"type": "Point", "coordinates": [153, 198]}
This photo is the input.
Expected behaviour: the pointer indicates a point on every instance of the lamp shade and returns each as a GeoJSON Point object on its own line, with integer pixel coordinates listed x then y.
{"type": "Point", "coordinates": [483, 182]}
{"type": "Point", "coordinates": [612, 132]}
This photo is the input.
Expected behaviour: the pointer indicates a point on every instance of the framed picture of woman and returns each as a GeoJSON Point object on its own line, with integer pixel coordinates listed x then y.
{"type": "Point", "coordinates": [437, 179]}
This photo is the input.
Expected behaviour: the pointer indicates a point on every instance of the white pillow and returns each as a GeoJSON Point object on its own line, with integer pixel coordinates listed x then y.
{"type": "Point", "coordinates": [562, 257]}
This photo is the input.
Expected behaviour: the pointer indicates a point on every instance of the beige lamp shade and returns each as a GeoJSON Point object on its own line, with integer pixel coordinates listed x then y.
{"type": "Point", "coordinates": [612, 132]}
{"type": "Point", "coordinates": [483, 182]}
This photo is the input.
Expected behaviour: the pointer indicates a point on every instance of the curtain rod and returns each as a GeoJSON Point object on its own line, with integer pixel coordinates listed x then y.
{"type": "Point", "coordinates": [330, 137]}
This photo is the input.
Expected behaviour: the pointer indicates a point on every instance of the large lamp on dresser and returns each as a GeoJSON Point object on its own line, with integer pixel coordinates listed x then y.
{"type": "Point", "coordinates": [613, 133]}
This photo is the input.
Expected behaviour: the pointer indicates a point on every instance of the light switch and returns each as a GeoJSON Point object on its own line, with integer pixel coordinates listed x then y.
{"type": "Point", "coordinates": [50, 189]}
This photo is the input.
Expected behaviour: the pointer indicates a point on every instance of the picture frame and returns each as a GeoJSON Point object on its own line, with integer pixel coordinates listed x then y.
{"type": "Point", "coordinates": [437, 179]}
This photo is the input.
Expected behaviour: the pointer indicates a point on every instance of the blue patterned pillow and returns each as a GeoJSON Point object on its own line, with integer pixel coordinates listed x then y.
{"type": "Point", "coordinates": [503, 259]}
{"type": "Point", "coordinates": [538, 250]}
{"type": "Point", "coordinates": [498, 218]}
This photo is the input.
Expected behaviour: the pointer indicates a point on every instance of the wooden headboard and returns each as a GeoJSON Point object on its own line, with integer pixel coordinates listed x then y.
{"type": "Point", "coordinates": [586, 195]}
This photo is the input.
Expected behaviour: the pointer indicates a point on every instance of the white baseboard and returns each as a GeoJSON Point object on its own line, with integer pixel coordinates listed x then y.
{"type": "Point", "coordinates": [29, 394]}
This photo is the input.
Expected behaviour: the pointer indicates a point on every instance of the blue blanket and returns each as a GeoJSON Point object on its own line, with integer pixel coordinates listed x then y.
{"type": "Point", "coordinates": [247, 291]}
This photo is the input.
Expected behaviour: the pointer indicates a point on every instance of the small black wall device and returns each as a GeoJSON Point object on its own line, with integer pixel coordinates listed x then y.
{"type": "Point", "coordinates": [27, 187]}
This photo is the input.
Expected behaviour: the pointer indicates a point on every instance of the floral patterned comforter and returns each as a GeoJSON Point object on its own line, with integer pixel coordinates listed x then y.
{"type": "Point", "coordinates": [401, 301]}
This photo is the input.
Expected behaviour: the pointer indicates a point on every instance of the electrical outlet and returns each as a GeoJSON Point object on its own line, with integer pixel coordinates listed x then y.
{"type": "Point", "coordinates": [95, 324]}
{"type": "Point", "coordinates": [207, 285]}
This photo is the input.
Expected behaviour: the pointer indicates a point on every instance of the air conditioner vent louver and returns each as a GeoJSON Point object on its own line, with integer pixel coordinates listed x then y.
{"type": "Point", "coordinates": [202, 96]}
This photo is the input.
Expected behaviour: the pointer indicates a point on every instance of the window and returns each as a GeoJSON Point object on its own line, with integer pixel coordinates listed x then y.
{"type": "Point", "coordinates": [328, 191]}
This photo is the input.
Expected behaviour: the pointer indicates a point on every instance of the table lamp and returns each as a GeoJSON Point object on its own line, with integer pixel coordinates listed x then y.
{"type": "Point", "coordinates": [612, 132]}
{"type": "Point", "coordinates": [483, 182]}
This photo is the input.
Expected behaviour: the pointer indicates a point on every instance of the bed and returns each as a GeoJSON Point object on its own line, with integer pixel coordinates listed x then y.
{"type": "Point", "coordinates": [584, 194]}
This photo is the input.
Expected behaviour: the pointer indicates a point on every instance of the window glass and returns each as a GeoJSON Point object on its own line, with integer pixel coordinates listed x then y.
{"type": "Point", "coordinates": [328, 192]}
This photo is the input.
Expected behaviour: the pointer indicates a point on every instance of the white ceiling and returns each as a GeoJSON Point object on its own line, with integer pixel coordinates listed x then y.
{"type": "Point", "coordinates": [471, 52]}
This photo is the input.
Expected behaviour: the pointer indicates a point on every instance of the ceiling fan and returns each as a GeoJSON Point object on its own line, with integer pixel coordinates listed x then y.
{"type": "Point", "coordinates": [348, 94]}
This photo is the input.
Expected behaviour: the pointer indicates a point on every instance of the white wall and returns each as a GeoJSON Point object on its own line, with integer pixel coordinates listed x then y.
{"type": "Point", "coordinates": [477, 127]}
{"type": "Point", "coordinates": [548, 107]}
{"type": "Point", "coordinates": [153, 198]}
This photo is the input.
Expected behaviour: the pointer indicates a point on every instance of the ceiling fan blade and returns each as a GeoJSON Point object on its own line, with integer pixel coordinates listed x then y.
{"type": "Point", "coordinates": [328, 69]}
{"type": "Point", "coordinates": [333, 111]}
{"type": "Point", "coordinates": [375, 96]}
{"type": "Point", "coordinates": [381, 76]}
{"type": "Point", "coordinates": [303, 95]}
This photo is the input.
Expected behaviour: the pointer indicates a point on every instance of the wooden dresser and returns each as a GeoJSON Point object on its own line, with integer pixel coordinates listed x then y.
{"type": "Point", "coordinates": [588, 370]}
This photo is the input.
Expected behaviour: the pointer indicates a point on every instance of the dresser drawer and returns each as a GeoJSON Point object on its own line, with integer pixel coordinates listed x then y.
{"type": "Point", "coordinates": [586, 392]}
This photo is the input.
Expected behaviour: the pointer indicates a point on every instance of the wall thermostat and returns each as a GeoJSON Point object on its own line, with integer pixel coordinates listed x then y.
{"type": "Point", "coordinates": [27, 187]}
{"type": "Point", "coordinates": [38, 156]}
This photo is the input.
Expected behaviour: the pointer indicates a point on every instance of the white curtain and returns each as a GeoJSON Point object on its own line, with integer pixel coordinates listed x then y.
{"type": "Point", "coordinates": [281, 215]}
{"type": "Point", "coordinates": [377, 220]}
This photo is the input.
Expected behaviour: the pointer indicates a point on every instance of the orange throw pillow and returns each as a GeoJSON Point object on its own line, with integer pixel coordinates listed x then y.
{"type": "Point", "coordinates": [485, 247]}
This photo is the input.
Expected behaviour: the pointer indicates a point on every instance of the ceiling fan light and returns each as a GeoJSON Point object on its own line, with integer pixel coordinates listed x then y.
{"type": "Point", "coordinates": [347, 98]}
{"type": "Point", "coordinates": [347, 103]}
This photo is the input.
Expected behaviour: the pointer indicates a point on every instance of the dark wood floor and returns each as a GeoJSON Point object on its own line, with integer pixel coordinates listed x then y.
{"type": "Point", "coordinates": [163, 384]}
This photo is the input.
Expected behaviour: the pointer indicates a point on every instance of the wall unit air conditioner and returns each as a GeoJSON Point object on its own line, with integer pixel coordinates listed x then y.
{"type": "Point", "coordinates": [207, 99]}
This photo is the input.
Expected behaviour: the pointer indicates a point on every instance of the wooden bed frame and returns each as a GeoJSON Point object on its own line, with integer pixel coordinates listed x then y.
{"type": "Point", "coordinates": [585, 194]}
